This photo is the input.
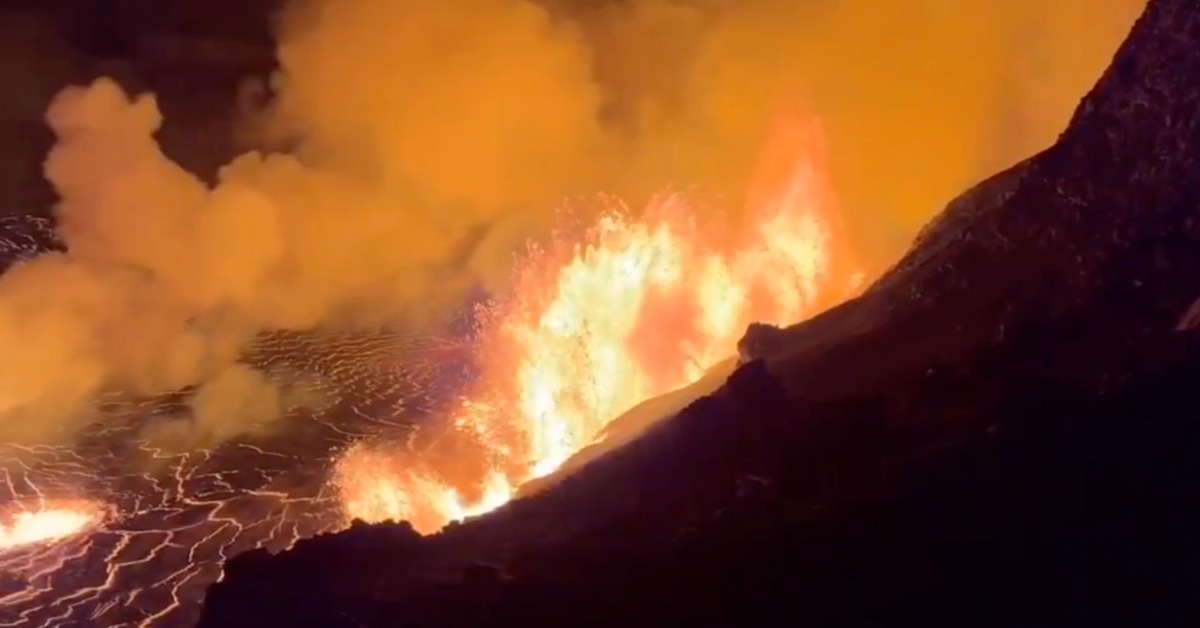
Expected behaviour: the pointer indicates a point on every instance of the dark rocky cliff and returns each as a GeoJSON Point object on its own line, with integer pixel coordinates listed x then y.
{"type": "Point", "coordinates": [999, 432]}
{"type": "Point", "coordinates": [1105, 216]}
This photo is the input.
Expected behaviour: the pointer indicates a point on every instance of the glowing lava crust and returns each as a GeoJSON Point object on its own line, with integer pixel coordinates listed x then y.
{"type": "Point", "coordinates": [635, 306]}
{"type": "Point", "coordinates": [166, 522]}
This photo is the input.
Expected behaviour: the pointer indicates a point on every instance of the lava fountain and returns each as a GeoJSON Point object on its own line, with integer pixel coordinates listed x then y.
{"type": "Point", "coordinates": [48, 522]}
{"type": "Point", "coordinates": [640, 306]}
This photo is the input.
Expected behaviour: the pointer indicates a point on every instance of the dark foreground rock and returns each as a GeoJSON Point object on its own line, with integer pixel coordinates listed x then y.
{"type": "Point", "coordinates": [1000, 432]}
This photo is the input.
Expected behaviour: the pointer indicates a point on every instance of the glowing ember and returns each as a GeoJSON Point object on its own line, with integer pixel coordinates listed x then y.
{"type": "Point", "coordinates": [49, 523]}
{"type": "Point", "coordinates": [641, 307]}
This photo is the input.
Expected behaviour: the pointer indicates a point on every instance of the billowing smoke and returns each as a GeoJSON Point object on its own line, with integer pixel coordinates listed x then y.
{"type": "Point", "coordinates": [412, 145]}
{"type": "Point", "coordinates": [920, 98]}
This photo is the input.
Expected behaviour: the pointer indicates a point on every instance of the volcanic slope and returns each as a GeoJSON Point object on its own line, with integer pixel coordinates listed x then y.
{"type": "Point", "coordinates": [998, 433]}
{"type": "Point", "coordinates": [168, 520]}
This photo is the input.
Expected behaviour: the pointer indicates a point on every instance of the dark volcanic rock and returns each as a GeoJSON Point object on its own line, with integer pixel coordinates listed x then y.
{"type": "Point", "coordinates": [999, 432]}
{"type": "Point", "coordinates": [1101, 227]}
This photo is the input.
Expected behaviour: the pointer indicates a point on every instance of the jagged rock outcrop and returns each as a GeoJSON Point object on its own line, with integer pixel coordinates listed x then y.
{"type": "Point", "coordinates": [999, 432]}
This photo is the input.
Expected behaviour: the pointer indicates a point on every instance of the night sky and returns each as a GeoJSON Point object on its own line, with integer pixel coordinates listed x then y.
{"type": "Point", "coordinates": [47, 44]}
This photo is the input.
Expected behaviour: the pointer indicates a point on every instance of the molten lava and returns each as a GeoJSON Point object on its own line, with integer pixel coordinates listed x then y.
{"type": "Point", "coordinates": [642, 305]}
{"type": "Point", "coordinates": [48, 523]}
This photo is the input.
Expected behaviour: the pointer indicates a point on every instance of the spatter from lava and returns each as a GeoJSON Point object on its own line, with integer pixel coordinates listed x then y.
{"type": "Point", "coordinates": [167, 522]}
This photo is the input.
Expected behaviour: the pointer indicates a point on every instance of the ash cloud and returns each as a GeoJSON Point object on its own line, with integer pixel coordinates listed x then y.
{"type": "Point", "coordinates": [426, 139]}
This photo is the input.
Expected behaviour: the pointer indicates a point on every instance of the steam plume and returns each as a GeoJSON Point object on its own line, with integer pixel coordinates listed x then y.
{"type": "Point", "coordinates": [428, 137]}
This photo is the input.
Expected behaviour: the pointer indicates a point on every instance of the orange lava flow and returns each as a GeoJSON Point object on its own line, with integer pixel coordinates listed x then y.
{"type": "Point", "coordinates": [638, 307]}
{"type": "Point", "coordinates": [46, 524]}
